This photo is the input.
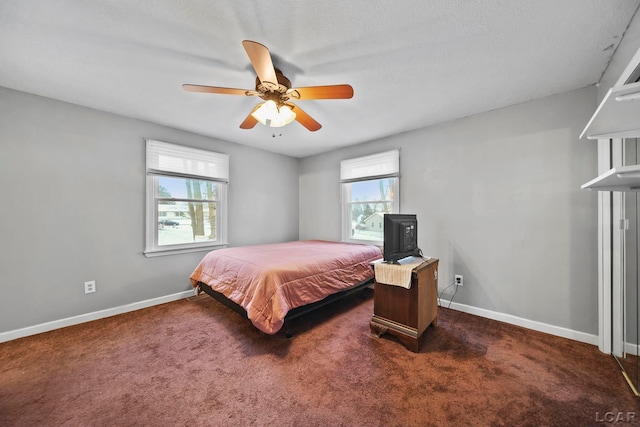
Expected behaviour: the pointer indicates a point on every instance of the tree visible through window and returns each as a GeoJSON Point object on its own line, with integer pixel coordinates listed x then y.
{"type": "Point", "coordinates": [368, 201]}
{"type": "Point", "coordinates": [186, 210]}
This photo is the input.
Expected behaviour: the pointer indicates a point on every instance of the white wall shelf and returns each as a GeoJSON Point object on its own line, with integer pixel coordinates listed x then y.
{"type": "Point", "coordinates": [622, 178]}
{"type": "Point", "coordinates": [617, 116]}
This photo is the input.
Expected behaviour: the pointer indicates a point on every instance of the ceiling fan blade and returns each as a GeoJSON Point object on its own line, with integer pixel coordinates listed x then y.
{"type": "Point", "coordinates": [261, 60]}
{"type": "Point", "coordinates": [222, 90]}
{"type": "Point", "coordinates": [304, 119]}
{"type": "Point", "coordinates": [322, 92]}
{"type": "Point", "coordinates": [250, 121]}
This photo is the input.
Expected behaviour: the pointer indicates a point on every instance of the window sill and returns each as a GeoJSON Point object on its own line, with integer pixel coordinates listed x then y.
{"type": "Point", "coordinates": [176, 251]}
{"type": "Point", "coordinates": [365, 242]}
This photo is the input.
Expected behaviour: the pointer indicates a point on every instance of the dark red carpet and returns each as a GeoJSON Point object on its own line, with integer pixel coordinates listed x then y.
{"type": "Point", "coordinates": [197, 363]}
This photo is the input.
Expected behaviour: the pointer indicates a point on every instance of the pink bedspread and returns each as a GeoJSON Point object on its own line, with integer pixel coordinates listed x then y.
{"type": "Point", "coordinates": [269, 280]}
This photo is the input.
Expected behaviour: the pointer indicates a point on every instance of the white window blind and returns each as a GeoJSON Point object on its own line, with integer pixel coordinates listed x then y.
{"type": "Point", "coordinates": [380, 165]}
{"type": "Point", "coordinates": [170, 159]}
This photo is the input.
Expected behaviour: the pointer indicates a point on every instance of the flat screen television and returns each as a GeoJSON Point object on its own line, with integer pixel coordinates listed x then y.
{"type": "Point", "coordinates": [400, 237]}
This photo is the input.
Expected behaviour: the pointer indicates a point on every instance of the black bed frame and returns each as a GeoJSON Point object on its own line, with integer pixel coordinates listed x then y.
{"type": "Point", "coordinates": [294, 313]}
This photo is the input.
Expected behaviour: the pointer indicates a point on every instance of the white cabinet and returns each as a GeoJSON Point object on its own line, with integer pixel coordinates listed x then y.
{"type": "Point", "coordinates": [617, 116]}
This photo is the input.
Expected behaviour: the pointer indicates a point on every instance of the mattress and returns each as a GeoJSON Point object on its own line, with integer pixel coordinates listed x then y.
{"type": "Point", "coordinates": [270, 280]}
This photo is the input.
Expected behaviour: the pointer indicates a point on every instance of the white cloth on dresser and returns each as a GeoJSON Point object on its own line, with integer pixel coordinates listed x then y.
{"type": "Point", "coordinates": [397, 274]}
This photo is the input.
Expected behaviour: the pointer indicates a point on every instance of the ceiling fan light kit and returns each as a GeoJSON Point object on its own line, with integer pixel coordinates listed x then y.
{"type": "Point", "coordinates": [269, 114]}
{"type": "Point", "coordinates": [275, 89]}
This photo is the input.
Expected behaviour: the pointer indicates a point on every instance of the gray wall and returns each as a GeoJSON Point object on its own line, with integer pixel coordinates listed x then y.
{"type": "Point", "coordinates": [72, 188]}
{"type": "Point", "coordinates": [498, 200]}
{"type": "Point", "coordinates": [497, 196]}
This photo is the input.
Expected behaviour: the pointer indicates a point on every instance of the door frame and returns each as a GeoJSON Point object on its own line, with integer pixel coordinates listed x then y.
{"type": "Point", "coordinates": [611, 259]}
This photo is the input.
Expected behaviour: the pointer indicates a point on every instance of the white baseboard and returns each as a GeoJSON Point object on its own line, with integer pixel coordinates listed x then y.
{"type": "Point", "coordinates": [507, 318]}
{"type": "Point", "coordinates": [525, 323]}
{"type": "Point", "coordinates": [82, 318]}
{"type": "Point", "coordinates": [631, 349]}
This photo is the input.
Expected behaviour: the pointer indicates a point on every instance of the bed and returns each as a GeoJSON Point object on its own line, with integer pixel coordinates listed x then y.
{"type": "Point", "coordinates": [273, 283]}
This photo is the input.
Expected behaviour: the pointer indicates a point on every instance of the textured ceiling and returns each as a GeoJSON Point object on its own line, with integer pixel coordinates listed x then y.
{"type": "Point", "coordinates": [411, 63]}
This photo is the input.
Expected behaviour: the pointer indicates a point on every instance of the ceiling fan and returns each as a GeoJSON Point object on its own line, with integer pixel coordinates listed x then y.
{"type": "Point", "coordinates": [275, 89]}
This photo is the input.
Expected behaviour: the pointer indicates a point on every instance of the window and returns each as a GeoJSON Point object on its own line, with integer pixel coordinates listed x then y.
{"type": "Point", "coordinates": [186, 199]}
{"type": "Point", "coordinates": [370, 188]}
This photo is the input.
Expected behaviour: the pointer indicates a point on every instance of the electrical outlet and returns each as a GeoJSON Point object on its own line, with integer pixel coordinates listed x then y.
{"type": "Point", "coordinates": [89, 287]}
{"type": "Point", "coordinates": [459, 280]}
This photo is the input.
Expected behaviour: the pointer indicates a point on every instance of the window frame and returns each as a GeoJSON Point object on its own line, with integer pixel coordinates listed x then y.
{"type": "Point", "coordinates": [185, 163]}
{"type": "Point", "coordinates": [385, 165]}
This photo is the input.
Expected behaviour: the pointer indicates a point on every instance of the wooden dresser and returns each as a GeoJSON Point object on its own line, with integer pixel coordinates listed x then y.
{"type": "Point", "coordinates": [407, 313]}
